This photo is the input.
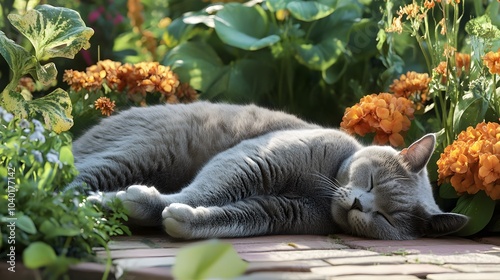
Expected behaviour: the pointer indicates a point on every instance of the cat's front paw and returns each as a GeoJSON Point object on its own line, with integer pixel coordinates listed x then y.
{"type": "Point", "coordinates": [144, 204]}
{"type": "Point", "coordinates": [179, 220]}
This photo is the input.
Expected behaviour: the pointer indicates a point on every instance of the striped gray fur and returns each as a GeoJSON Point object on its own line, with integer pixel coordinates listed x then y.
{"type": "Point", "coordinates": [208, 170]}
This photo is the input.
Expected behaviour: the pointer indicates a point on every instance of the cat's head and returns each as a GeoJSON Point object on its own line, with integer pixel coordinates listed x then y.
{"type": "Point", "coordinates": [386, 194]}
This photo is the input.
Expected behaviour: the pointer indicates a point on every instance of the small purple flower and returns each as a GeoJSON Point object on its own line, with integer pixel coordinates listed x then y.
{"type": "Point", "coordinates": [38, 126]}
{"type": "Point", "coordinates": [53, 157]}
{"type": "Point", "coordinates": [24, 124]}
{"type": "Point", "coordinates": [7, 117]}
{"type": "Point", "coordinates": [37, 136]}
{"type": "Point", "coordinates": [38, 155]}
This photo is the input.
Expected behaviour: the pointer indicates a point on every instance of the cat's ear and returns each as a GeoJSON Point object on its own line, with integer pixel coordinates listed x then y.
{"type": "Point", "coordinates": [419, 153]}
{"type": "Point", "coordinates": [444, 223]}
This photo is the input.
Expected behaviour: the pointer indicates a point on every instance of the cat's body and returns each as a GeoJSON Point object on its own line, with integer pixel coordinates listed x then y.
{"type": "Point", "coordinates": [223, 170]}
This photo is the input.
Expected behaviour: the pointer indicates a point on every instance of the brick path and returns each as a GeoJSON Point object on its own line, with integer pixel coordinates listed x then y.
{"type": "Point", "coordinates": [151, 256]}
{"type": "Point", "coordinates": [340, 257]}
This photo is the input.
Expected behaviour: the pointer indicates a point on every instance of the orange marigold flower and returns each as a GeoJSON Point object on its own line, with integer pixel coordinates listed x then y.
{"type": "Point", "coordinates": [396, 26]}
{"type": "Point", "coordinates": [462, 63]}
{"type": "Point", "coordinates": [492, 61]}
{"type": "Point", "coordinates": [472, 162]}
{"type": "Point", "coordinates": [386, 115]}
{"type": "Point", "coordinates": [105, 105]}
{"type": "Point", "coordinates": [412, 85]}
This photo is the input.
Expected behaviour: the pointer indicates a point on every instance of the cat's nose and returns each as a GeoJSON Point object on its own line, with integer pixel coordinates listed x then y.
{"type": "Point", "coordinates": [356, 205]}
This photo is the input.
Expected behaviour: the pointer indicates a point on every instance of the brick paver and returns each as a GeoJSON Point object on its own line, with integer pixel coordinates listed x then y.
{"type": "Point", "coordinates": [339, 257]}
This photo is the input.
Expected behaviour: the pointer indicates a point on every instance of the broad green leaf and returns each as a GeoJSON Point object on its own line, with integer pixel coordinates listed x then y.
{"type": "Point", "coordinates": [333, 73]}
{"type": "Point", "coordinates": [54, 108]}
{"type": "Point", "coordinates": [244, 27]}
{"type": "Point", "coordinates": [196, 63]}
{"type": "Point", "coordinates": [327, 39]}
{"type": "Point", "coordinates": [309, 10]}
{"type": "Point", "coordinates": [46, 74]}
{"type": "Point", "coordinates": [20, 60]}
{"type": "Point", "coordinates": [38, 254]}
{"type": "Point", "coordinates": [53, 31]}
{"type": "Point", "coordinates": [26, 224]}
{"type": "Point", "coordinates": [243, 80]}
{"type": "Point", "coordinates": [211, 259]}
{"type": "Point", "coordinates": [446, 191]}
{"type": "Point", "coordinates": [479, 208]}
{"type": "Point", "coordinates": [470, 110]}
{"type": "Point", "coordinates": [275, 5]}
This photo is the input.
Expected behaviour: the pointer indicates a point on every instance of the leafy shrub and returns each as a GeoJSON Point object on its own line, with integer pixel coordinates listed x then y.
{"type": "Point", "coordinates": [60, 226]}
{"type": "Point", "coordinates": [289, 54]}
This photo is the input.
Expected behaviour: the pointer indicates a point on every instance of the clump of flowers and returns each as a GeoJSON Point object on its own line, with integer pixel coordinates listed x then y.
{"type": "Point", "coordinates": [137, 80]}
{"type": "Point", "coordinates": [384, 114]}
{"type": "Point", "coordinates": [413, 86]}
{"type": "Point", "coordinates": [462, 64]}
{"type": "Point", "coordinates": [472, 162]}
{"type": "Point", "coordinates": [105, 105]}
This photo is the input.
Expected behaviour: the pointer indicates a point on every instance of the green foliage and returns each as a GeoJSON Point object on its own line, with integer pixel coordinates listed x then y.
{"type": "Point", "coordinates": [281, 53]}
{"type": "Point", "coordinates": [60, 226]}
{"type": "Point", "coordinates": [479, 207]}
{"type": "Point", "coordinates": [465, 96]}
{"type": "Point", "coordinates": [53, 32]}
{"type": "Point", "coordinates": [210, 259]}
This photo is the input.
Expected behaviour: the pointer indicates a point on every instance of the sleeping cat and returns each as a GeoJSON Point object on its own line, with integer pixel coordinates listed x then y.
{"type": "Point", "coordinates": [208, 170]}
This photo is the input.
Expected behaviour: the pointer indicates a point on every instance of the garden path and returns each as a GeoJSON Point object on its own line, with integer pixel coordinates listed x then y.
{"type": "Point", "coordinates": [341, 257]}
{"type": "Point", "coordinates": [150, 255]}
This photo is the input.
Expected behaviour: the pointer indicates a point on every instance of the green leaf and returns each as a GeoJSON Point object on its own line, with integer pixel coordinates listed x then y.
{"type": "Point", "coordinates": [26, 224]}
{"type": "Point", "coordinates": [309, 10]}
{"type": "Point", "coordinates": [327, 39]}
{"type": "Point", "coordinates": [20, 60]}
{"type": "Point", "coordinates": [479, 208]}
{"type": "Point", "coordinates": [447, 191]}
{"type": "Point", "coordinates": [243, 80]}
{"type": "Point", "coordinates": [470, 110]}
{"type": "Point", "coordinates": [335, 72]}
{"type": "Point", "coordinates": [38, 254]}
{"type": "Point", "coordinates": [51, 230]}
{"type": "Point", "coordinates": [53, 31]}
{"type": "Point", "coordinates": [54, 108]}
{"type": "Point", "coordinates": [66, 155]}
{"type": "Point", "coordinates": [196, 63]}
{"type": "Point", "coordinates": [244, 27]}
{"type": "Point", "coordinates": [208, 259]}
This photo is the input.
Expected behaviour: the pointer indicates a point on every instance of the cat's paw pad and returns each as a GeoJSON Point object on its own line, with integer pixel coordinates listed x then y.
{"type": "Point", "coordinates": [143, 204]}
{"type": "Point", "coordinates": [178, 219]}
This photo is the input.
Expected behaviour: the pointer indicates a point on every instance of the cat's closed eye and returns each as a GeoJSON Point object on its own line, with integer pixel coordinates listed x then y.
{"type": "Point", "coordinates": [384, 216]}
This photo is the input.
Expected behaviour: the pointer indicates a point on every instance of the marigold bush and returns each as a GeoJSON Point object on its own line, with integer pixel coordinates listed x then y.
{"type": "Point", "coordinates": [413, 86]}
{"type": "Point", "coordinates": [385, 114]}
{"type": "Point", "coordinates": [472, 162]}
{"type": "Point", "coordinates": [136, 80]}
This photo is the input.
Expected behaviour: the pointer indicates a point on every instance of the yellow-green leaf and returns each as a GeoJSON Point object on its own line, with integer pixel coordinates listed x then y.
{"type": "Point", "coordinates": [38, 254]}
{"type": "Point", "coordinates": [53, 31]}
{"type": "Point", "coordinates": [20, 60]}
{"type": "Point", "coordinates": [54, 108]}
{"type": "Point", "coordinates": [211, 259]}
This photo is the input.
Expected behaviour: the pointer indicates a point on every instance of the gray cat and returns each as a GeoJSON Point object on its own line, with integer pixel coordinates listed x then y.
{"type": "Point", "coordinates": [217, 170]}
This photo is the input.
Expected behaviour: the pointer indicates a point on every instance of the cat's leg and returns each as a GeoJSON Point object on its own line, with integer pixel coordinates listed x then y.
{"type": "Point", "coordinates": [211, 187]}
{"type": "Point", "coordinates": [252, 216]}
